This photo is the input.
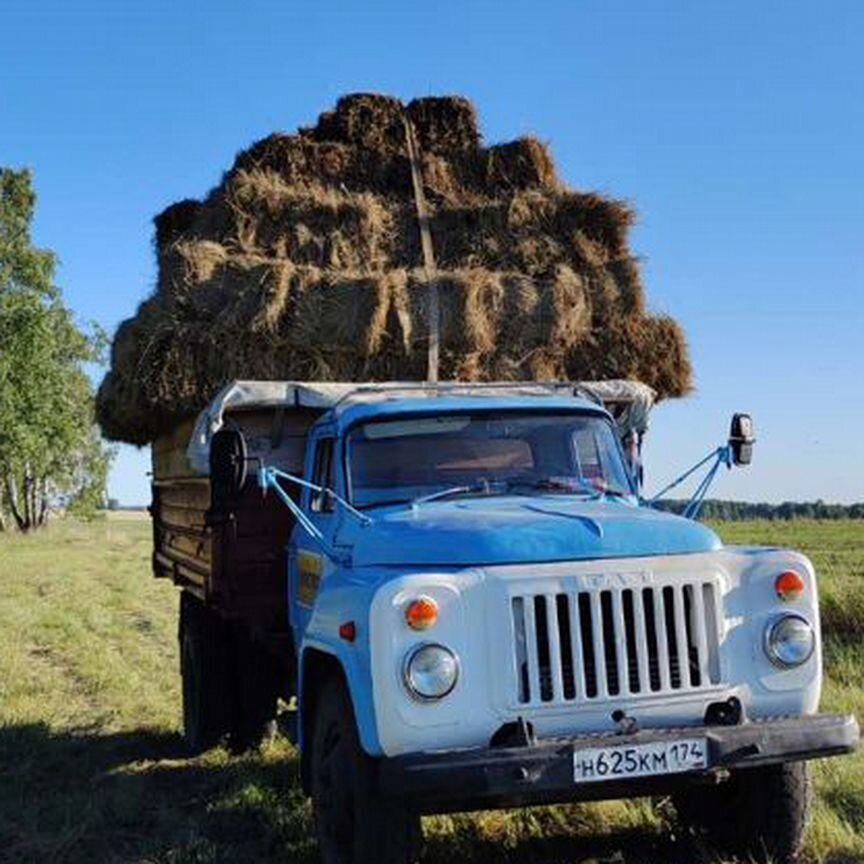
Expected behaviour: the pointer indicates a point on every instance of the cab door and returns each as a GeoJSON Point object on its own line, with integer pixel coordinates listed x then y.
{"type": "Point", "coordinates": [309, 563]}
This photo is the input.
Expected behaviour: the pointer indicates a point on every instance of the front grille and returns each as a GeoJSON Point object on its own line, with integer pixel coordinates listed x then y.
{"type": "Point", "coordinates": [585, 645]}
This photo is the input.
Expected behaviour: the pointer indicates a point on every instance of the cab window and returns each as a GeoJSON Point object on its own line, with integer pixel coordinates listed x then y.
{"type": "Point", "coordinates": [495, 453]}
{"type": "Point", "coordinates": [323, 476]}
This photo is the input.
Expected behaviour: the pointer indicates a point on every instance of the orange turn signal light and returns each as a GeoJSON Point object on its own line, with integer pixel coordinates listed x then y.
{"type": "Point", "coordinates": [789, 586]}
{"type": "Point", "coordinates": [421, 614]}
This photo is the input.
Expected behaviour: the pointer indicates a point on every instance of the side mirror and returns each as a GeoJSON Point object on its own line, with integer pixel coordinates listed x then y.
{"type": "Point", "coordinates": [741, 439]}
{"type": "Point", "coordinates": [228, 464]}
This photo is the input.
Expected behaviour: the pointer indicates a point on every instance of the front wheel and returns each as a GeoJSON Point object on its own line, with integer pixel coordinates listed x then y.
{"type": "Point", "coordinates": [354, 824]}
{"type": "Point", "coordinates": [760, 814]}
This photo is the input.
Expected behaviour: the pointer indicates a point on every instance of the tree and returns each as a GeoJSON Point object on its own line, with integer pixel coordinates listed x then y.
{"type": "Point", "coordinates": [50, 451]}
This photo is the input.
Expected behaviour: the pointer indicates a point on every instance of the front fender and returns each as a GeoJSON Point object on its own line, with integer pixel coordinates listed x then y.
{"type": "Point", "coordinates": [345, 596]}
{"type": "Point", "coordinates": [355, 668]}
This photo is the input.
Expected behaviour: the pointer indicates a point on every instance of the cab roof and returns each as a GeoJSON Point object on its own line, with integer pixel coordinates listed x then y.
{"type": "Point", "coordinates": [348, 413]}
{"type": "Point", "coordinates": [346, 403]}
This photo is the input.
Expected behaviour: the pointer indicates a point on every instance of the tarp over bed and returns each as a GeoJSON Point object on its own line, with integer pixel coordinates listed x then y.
{"type": "Point", "coordinates": [629, 402]}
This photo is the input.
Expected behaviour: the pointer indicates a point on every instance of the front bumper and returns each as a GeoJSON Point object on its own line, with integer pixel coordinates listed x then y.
{"type": "Point", "coordinates": [542, 773]}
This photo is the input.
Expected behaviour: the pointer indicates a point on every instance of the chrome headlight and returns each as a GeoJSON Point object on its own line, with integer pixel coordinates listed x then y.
{"type": "Point", "coordinates": [431, 672]}
{"type": "Point", "coordinates": [789, 641]}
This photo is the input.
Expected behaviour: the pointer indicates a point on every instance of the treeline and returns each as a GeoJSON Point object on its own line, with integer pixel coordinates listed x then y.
{"type": "Point", "coordinates": [51, 452]}
{"type": "Point", "coordinates": [744, 510]}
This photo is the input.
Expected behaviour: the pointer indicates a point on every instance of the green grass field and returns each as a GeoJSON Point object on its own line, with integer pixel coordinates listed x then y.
{"type": "Point", "coordinates": [91, 766]}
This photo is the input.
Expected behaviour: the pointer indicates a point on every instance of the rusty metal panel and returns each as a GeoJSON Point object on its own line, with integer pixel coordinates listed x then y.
{"type": "Point", "coordinates": [250, 559]}
{"type": "Point", "coordinates": [234, 557]}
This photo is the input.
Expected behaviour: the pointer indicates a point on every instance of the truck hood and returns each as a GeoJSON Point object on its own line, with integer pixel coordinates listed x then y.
{"type": "Point", "coordinates": [517, 530]}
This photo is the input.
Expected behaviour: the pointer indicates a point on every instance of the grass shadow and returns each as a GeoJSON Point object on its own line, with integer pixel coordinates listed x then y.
{"type": "Point", "coordinates": [624, 847]}
{"type": "Point", "coordinates": [84, 796]}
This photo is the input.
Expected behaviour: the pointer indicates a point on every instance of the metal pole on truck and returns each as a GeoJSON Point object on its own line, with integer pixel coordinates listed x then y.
{"type": "Point", "coordinates": [429, 267]}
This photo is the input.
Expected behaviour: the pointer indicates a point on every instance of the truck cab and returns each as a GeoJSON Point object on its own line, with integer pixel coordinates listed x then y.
{"type": "Point", "coordinates": [482, 610]}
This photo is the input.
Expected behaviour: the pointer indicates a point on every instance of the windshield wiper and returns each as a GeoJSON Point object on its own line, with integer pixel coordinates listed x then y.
{"type": "Point", "coordinates": [550, 484]}
{"type": "Point", "coordinates": [616, 493]}
{"type": "Point", "coordinates": [386, 502]}
{"type": "Point", "coordinates": [477, 488]}
{"type": "Point", "coordinates": [544, 484]}
{"type": "Point", "coordinates": [579, 487]}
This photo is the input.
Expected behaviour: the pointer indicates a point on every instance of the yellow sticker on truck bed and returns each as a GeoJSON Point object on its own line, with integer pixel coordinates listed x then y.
{"type": "Point", "coordinates": [310, 568]}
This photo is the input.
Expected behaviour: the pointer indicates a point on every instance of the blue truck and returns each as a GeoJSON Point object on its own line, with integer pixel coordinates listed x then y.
{"type": "Point", "coordinates": [456, 596]}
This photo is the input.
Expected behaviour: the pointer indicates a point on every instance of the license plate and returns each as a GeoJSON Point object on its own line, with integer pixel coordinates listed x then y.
{"type": "Point", "coordinates": [640, 760]}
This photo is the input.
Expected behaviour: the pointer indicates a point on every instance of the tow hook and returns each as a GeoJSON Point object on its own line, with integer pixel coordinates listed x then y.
{"type": "Point", "coordinates": [728, 713]}
{"type": "Point", "coordinates": [519, 733]}
{"type": "Point", "coordinates": [743, 753]}
{"type": "Point", "coordinates": [626, 725]}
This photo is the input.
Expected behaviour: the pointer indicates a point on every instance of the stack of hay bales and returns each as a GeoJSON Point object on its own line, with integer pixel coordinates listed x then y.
{"type": "Point", "coordinates": [305, 263]}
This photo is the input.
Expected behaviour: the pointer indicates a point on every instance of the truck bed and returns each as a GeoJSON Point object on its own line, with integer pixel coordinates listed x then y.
{"type": "Point", "coordinates": [233, 558]}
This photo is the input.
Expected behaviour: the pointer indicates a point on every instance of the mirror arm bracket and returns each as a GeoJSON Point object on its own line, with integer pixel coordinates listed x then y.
{"type": "Point", "coordinates": [273, 475]}
{"type": "Point", "coordinates": [738, 450]}
{"type": "Point", "coordinates": [723, 455]}
{"type": "Point", "coordinates": [720, 455]}
{"type": "Point", "coordinates": [269, 478]}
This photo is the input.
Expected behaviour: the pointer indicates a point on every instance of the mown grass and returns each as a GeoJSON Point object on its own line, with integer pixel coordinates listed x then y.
{"type": "Point", "coordinates": [91, 767]}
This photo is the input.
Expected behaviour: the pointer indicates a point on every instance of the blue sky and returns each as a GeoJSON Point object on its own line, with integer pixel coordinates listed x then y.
{"type": "Point", "coordinates": [736, 128]}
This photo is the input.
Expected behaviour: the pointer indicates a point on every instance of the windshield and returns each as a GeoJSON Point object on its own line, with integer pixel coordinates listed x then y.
{"type": "Point", "coordinates": [407, 459]}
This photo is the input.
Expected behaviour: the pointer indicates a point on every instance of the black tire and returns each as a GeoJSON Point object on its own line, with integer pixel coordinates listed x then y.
{"type": "Point", "coordinates": [255, 692]}
{"type": "Point", "coordinates": [354, 824]}
{"type": "Point", "coordinates": [760, 814]}
{"type": "Point", "coordinates": [204, 673]}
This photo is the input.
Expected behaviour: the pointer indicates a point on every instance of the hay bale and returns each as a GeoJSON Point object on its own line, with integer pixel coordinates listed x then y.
{"type": "Point", "coordinates": [367, 120]}
{"type": "Point", "coordinates": [665, 358]}
{"type": "Point", "coordinates": [445, 124]}
{"type": "Point", "coordinates": [352, 311]}
{"type": "Point", "coordinates": [175, 220]}
{"type": "Point", "coordinates": [309, 224]}
{"type": "Point", "coordinates": [304, 160]}
{"type": "Point", "coordinates": [525, 163]}
{"type": "Point", "coordinates": [531, 231]}
{"type": "Point", "coordinates": [543, 319]}
{"type": "Point", "coordinates": [627, 276]}
{"type": "Point", "coordinates": [650, 349]}
{"type": "Point", "coordinates": [469, 236]}
{"type": "Point", "coordinates": [292, 157]}
{"type": "Point", "coordinates": [196, 261]}
{"type": "Point", "coordinates": [471, 304]}
{"type": "Point", "coordinates": [484, 312]}
{"type": "Point", "coordinates": [304, 262]}
{"type": "Point", "coordinates": [122, 406]}
{"type": "Point", "coordinates": [604, 221]}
